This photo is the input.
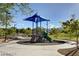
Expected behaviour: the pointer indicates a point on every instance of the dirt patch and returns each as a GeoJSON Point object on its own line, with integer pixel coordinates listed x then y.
{"type": "Point", "coordinates": [1, 40]}
{"type": "Point", "coordinates": [69, 52]}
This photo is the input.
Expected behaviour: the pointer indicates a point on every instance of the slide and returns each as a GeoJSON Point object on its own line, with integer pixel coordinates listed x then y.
{"type": "Point", "coordinates": [45, 35]}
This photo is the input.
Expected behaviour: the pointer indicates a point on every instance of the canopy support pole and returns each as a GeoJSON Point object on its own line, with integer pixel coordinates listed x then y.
{"type": "Point", "coordinates": [32, 27]}
{"type": "Point", "coordinates": [47, 27]}
{"type": "Point", "coordinates": [40, 26]}
{"type": "Point", "coordinates": [36, 28]}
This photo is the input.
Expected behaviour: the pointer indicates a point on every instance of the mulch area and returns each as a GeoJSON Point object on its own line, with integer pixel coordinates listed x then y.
{"type": "Point", "coordinates": [54, 42]}
{"type": "Point", "coordinates": [69, 52]}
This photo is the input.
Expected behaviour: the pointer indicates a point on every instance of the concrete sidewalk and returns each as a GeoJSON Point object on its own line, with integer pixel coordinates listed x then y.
{"type": "Point", "coordinates": [14, 49]}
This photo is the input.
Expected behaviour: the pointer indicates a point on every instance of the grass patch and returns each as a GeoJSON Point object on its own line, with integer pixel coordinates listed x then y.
{"type": "Point", "coordinates": [62, 37]}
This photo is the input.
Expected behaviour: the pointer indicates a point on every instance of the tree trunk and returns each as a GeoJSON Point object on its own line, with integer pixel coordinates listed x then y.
{"type": "Point", "coordinates": [70, 35]}
{"type": "Point", "coordinates": [77, 40]}
{"type": "Point", "coordinates": [6, 29]}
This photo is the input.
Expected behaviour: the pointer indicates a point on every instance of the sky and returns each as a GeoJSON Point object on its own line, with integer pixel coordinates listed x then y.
{"type": "Point", "coordinates": [55, 12]}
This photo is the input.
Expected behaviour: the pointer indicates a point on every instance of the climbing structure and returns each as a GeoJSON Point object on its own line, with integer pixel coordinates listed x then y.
{"type": "Point", "coordinates": [38, 36]}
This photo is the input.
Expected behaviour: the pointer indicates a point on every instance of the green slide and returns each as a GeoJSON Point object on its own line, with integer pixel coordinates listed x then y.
{"type": "Point", "coordinates": [45, 35]}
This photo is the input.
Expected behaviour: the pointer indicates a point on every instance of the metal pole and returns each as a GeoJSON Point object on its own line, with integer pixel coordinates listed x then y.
{"type": "Point", "coordinates": [40, 26]}
{"type": "Point", "coordinates": [36, 28]}
{"type": "Point", "coordinates": [47, 27]}
{"type": "Point", "coordinates": [32, 27]}
{"type": "Point", "coordinates": [36, 21]}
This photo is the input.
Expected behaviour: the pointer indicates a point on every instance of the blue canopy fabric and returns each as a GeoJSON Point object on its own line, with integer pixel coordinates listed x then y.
{"type": "Point", "coordinates": [35, 18]}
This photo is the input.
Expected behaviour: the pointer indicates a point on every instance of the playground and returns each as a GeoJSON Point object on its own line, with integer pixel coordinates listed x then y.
{"type": "Point", "coordinates": [39, 44]}
{"type": "Point", "coordinates": [38, 36]}
{"type": "Point", "coordinates": [31, 30]}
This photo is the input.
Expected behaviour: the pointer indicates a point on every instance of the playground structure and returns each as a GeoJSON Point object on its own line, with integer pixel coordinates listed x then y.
{"type": "Point", "coordinates": [41, 36]}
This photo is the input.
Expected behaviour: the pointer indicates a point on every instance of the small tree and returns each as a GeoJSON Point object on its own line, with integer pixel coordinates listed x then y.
{"type": "Point", "coordinates": [55, 32]}
{"type": "Point", "coordinates": [76, 28]}
{"type": "Point", "coordinates": [6, 15]}
{"type": "Point", "coordinates": [28, 31]}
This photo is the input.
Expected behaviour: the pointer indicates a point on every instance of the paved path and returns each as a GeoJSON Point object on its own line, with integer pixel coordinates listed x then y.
{"type": "Point", "coordinates": [14, 49]}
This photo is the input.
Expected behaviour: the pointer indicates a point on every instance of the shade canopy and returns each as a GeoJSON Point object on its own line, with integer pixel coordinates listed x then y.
{"type": "Point", "coordinates": [35, 18]}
